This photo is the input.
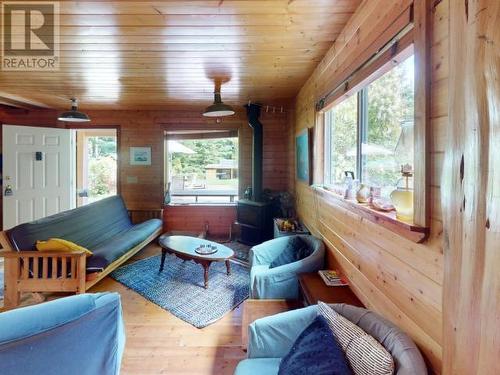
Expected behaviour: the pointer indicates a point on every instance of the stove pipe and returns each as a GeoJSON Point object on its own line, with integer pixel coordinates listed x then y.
{"type": "Point", "coordinates": [253, 113]}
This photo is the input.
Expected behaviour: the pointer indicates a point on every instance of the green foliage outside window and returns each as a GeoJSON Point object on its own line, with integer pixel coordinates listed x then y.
{"type": "Point", "coordinates": [343, 134]}
{"type": "Point", "coordinates": [101, 166]}
{"type": "Point", "coordinates": [386, 139]}
{"type": "Point", "coordinates": [206, 151]}
{"type": "Point", "coordinates": [390, 103]}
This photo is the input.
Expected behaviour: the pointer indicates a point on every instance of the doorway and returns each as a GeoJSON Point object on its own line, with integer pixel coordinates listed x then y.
{"type": "Point", "coordinates": [96, 164]}
{"type": "Point", "coordinates": [37, 173]}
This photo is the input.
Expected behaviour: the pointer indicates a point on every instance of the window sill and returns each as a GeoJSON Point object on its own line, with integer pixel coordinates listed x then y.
{"type": "Point", "coordinates": [388, 220]}
{"type": "Point", "coordinates": [180, 204]}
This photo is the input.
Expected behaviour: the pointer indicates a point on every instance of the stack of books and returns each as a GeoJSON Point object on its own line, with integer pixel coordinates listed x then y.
{"type": "Point", "coordinates": [333, 278]}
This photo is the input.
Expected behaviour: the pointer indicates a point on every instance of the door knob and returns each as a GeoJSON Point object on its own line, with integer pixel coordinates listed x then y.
{"type": "Point", "coordinates": [84, 193]}
{"type": "Point", "coordinates": [8, 191]}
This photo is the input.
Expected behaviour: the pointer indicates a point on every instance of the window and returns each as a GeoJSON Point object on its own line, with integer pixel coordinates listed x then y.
{"type": "Point", "coordinates": [371, 132]}
{"type": "Point", "coordinates": [96, 165]}
{"type": "Point", "coordinates": [342, 139]}
{"type": "Point", "coordinates": [202, 170]}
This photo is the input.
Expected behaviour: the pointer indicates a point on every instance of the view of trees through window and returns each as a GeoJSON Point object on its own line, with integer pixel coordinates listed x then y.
{"type": "Point", "coordinates": [102, 166]}
{"type": "Point", "coordinates": [343, 138]}
{"type": "Point", "coordinates": [386, 131]}
{"type": "Point", "coordinates": [96, 165]}
{"type": "Point", "coordinates": [388, 141]}
{"type": "Point", "coordinates": [203, 170]}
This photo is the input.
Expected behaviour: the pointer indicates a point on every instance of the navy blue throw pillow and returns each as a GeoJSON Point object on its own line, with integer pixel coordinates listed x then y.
{"type": "Point", "coordinates": [296, 249]}
{"type": "Point", "coordinates": [315, 352]}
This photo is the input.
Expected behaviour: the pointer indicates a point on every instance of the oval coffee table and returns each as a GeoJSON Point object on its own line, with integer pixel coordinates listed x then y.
{"type": "Point", "coordinates": [184, 247]}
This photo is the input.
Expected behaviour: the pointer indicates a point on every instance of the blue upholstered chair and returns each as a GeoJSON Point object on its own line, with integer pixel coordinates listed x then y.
{"type": "Point", "coordinates": [270, 339]}
{"type": "Point", "coordinates": [81, 334]}
{"type": "Point", "coordinates": [281, 281]}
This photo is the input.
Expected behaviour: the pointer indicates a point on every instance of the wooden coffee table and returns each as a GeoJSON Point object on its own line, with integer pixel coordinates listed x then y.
{"type": "Point", "coordinates": [183, 247]}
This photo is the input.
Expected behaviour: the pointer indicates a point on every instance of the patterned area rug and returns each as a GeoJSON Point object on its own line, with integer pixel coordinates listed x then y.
{"type": "Point", "coordinates": [179, 288]}
{"type": "Point", "coordinates": [241, 252]}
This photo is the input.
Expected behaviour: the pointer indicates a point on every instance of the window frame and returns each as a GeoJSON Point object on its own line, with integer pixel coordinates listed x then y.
{"type": "Point", "coordinates": [361, 93]}
{"type": "Point", "coordinates": [402, 32]}
{"type": "Point", "coordinates": [355, 86]}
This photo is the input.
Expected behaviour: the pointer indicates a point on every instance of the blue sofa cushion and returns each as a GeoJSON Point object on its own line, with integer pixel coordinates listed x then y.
{"type": "Point", "coordinates": [88, 226]}
{"type": "Point", "coordinates": [18, 324]}
{"type": "Point", "coordinates": [54, 337]}
{"type": "Point", "coordinates": [295, 250]}
{"type": "Point", "coordinates": [117, 246]}
{"type": "Point", "coordinates": [259, 366]}
{"type": "Point", "coordinates": [96, 263]}
{"type": "Point", "coordinates": [316, 351]}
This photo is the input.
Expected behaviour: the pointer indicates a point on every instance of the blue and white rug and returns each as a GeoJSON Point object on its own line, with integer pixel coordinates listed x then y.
{"type": "Point", "coordinates": [179, 288]}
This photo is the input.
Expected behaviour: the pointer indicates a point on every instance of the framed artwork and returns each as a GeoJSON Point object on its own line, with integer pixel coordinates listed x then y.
{"type": "Point", "coordinates": [140, 155]}
{"type": "Point", "coordinates": [303, 152]}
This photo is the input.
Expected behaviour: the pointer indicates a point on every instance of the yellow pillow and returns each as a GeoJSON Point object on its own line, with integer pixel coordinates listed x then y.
{"type": "Point", "coordinates": [58, 244]}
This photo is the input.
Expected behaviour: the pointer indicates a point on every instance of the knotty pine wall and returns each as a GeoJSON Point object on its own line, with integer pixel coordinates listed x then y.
{"type": "Point", "coordinates": [471, 192]}
{"type": "Point", "coordinates": [193, 219]}
{"type": "Point", "coordinates": [146, 128]}
{"type": "Point", "coordinates": [398, 278]}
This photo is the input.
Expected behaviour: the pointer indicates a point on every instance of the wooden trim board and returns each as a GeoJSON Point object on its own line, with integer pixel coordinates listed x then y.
{"type": "Point", "coordinates": [388, 220]}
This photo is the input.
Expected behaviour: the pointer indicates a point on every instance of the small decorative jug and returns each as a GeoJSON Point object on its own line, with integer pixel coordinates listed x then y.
{"type": "Point", "coordinates": [402, 197]}
{"type": "Point", "coordinates": [363, 194]}
{"type": "Point", "coordinates": [403, 202]}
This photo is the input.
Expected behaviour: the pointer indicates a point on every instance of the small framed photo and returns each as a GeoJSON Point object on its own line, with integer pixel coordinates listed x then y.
{"type": "Point", "coordinates": [140, 155]}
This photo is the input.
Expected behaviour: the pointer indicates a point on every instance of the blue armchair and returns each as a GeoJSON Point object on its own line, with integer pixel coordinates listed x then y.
{"type": "Point", "coordinates": [81, 334]}
{"type": "Point", "coordinates": [270, 339]}
{"type": "Point", "coordinates": [281, 282]}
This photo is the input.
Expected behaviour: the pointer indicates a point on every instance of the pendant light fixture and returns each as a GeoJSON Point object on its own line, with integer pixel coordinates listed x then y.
{"type": "Point", "coordinates": [218, 109]}
{"type": "Point", "coordinates": [74, 115]}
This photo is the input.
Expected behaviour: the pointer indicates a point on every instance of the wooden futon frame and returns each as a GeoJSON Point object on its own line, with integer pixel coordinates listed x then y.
{"type": "Point", "coordinates": [67, 270]}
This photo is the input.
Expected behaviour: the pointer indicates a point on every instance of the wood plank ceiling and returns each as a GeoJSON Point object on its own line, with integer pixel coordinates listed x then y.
{"type": "Point", "coordinates": [157, 54]}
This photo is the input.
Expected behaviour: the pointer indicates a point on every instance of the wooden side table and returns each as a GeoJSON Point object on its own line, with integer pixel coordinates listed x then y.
{"type": "Point", "coordinates": [313, 289]}
{"type": "Point", "coordinates": [254, 309]}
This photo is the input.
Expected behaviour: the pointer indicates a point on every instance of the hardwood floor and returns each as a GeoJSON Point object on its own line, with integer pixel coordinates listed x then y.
{"type": "Point", "coordinates": [160, 343]}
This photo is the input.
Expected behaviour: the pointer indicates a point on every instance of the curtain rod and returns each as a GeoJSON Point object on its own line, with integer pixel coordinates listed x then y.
{"type": "Point", "coordinates": [391, 44]}
{"type": "Point", "coordinates": [274, 109]}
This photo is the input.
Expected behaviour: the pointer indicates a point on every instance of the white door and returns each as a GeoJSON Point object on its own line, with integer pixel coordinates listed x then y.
{"type": "Point", "coordinates": [37, 173]}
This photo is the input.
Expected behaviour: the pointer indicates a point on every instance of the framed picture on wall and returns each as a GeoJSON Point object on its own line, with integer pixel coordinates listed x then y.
{"type": "Point", "coordinates": [303, 154]}
{"type": "Point", "coordinates": [140, 155]}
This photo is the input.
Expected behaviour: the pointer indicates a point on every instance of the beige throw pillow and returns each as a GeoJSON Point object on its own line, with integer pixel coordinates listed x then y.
{"type": "Point", "coordinates": [365, 354]}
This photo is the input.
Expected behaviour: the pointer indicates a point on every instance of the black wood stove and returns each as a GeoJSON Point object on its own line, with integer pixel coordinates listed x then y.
{"type": "Point", "coordinates": [254, 216]}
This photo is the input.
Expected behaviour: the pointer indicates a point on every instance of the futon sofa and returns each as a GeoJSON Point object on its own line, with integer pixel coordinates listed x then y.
{"type": "Point", "coordinates": [81, 334]}
{"type": "Point", "coordinates": [270, 339]}
{"type": "Point", "coordinates": [281, 281]}
{"type": "Point", "coordinates": [103, 227]}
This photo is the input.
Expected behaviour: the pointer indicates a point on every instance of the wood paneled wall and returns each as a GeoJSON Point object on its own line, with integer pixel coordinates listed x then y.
{"type": "Point", "coordinates": [400, 279]}
{"type": "Point", "coordinates": [146, 128]}
{"type": "Point", "coordinates": [471, 192]}
{"type": "Point", "coordinates": [194, 218]}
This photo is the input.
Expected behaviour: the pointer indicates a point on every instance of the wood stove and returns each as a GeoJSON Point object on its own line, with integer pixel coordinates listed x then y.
{"type": "Point", "coordinates": [254, 216]}
{"type": "Point", "coordinates": [255, 220]}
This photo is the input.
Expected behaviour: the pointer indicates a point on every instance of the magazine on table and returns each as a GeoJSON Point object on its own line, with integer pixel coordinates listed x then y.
{"type": "Point", "coordinates": [333, 278]}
